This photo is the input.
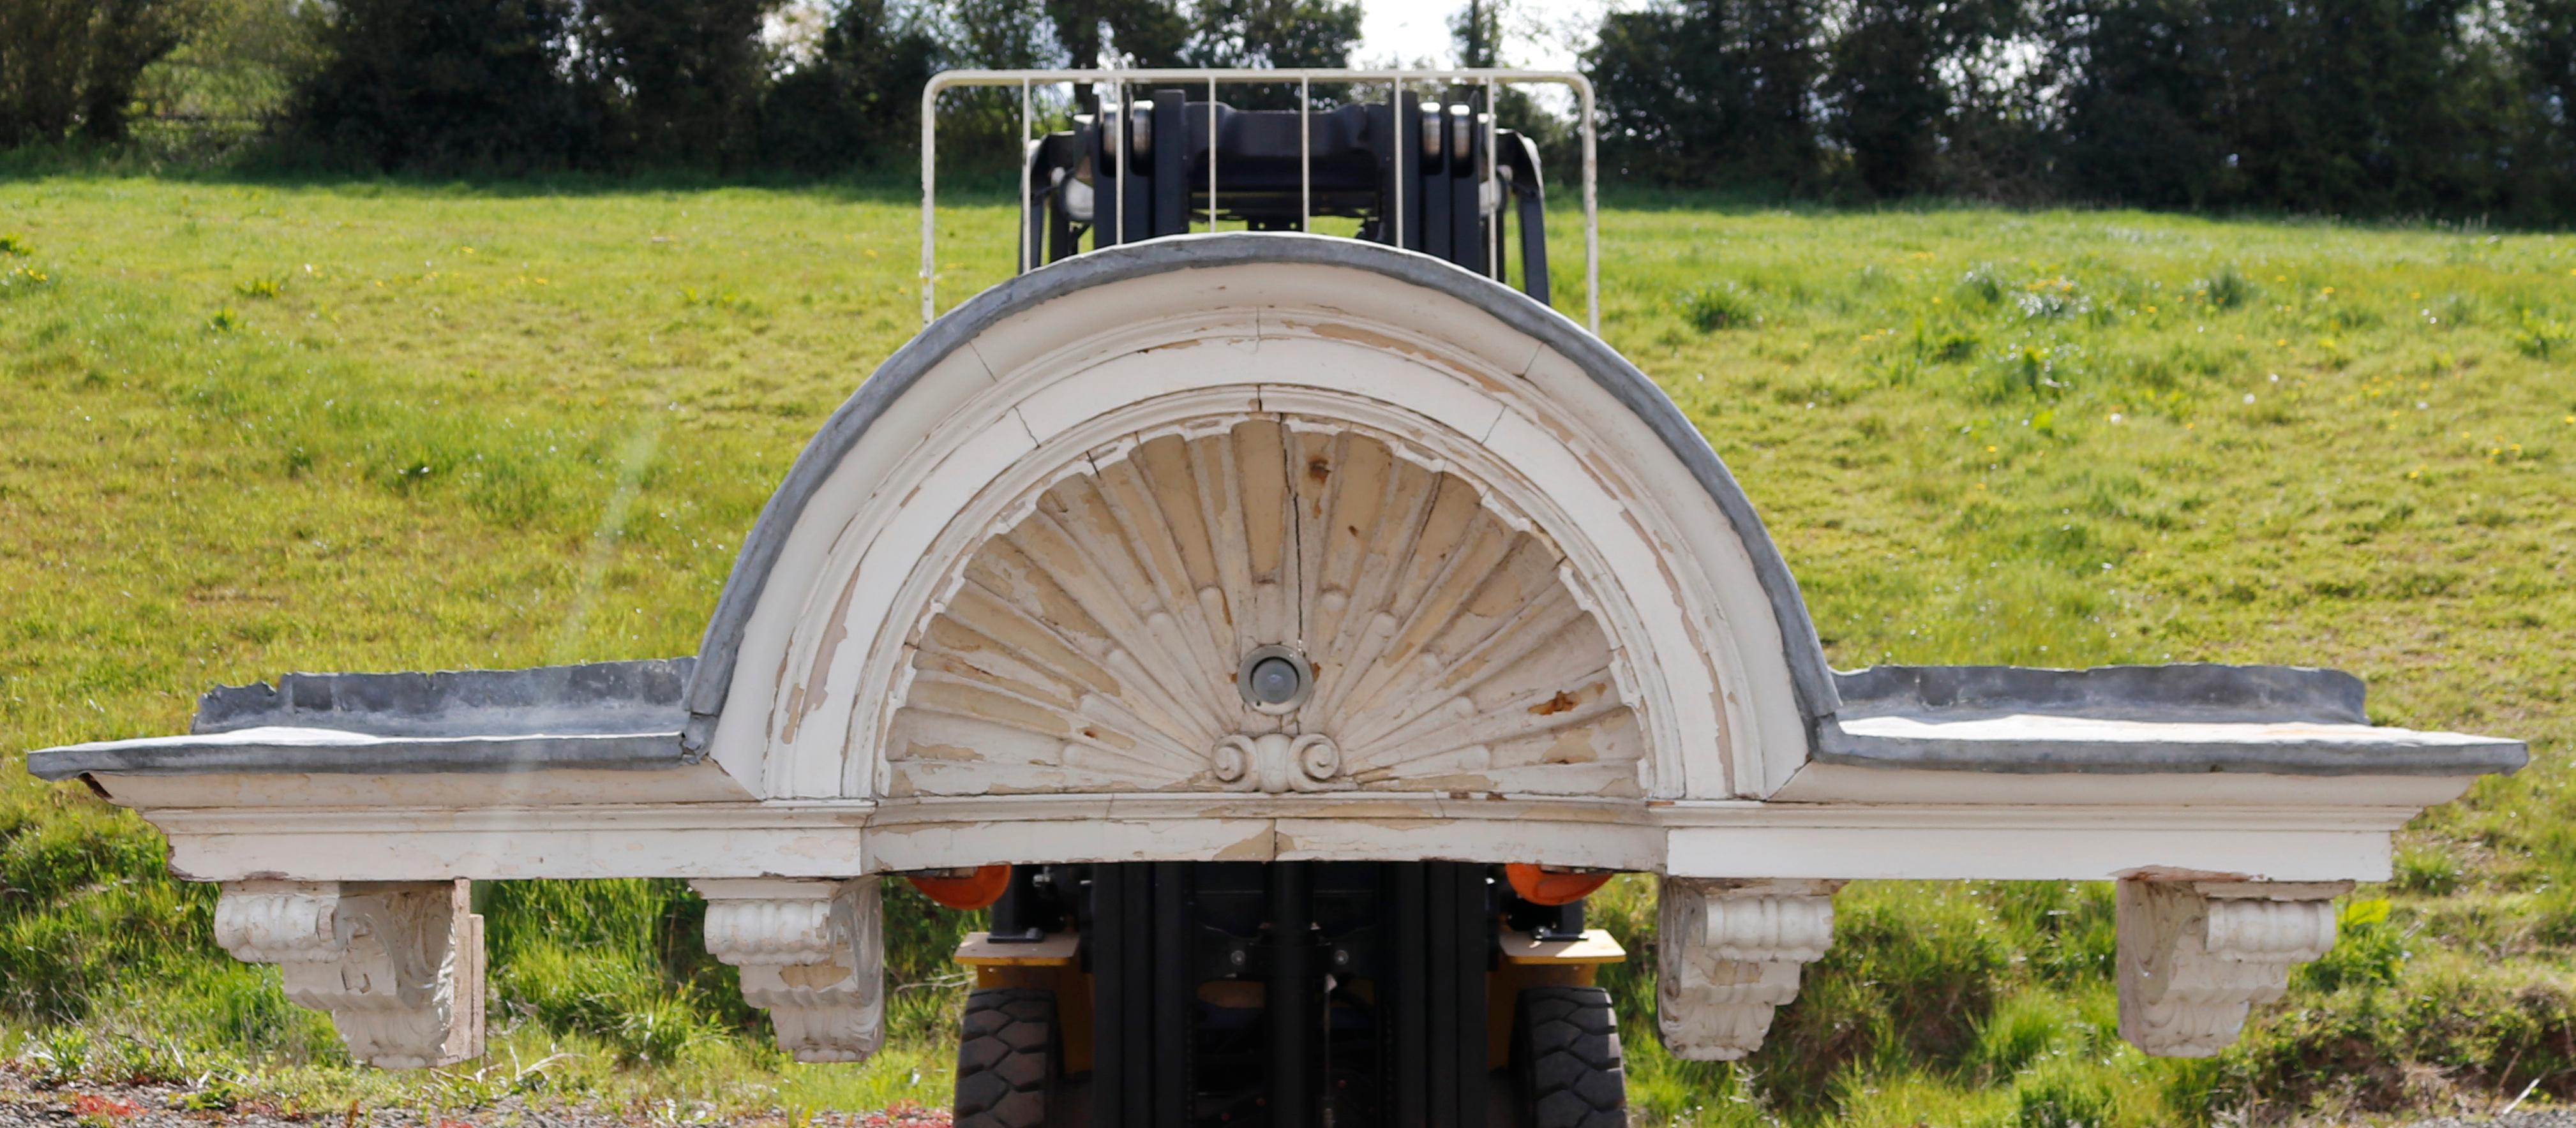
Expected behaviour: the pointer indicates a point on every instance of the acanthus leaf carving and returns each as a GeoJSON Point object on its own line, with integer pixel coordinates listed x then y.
{"type": "Point", "coordinates": [812, 954]}
{"type": "Point", "coordinates": [1729, 956]}
{"type": "Point", "coordinates": [2196, 956]}
{"type": "Point", "coordinates": [397, 965]}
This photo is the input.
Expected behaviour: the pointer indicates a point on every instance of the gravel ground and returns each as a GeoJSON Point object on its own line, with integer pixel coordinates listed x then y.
{"type": "Point", "coordinates": [2542, 1118]}
{"type": "Point", "coordinates": [24, 1105]}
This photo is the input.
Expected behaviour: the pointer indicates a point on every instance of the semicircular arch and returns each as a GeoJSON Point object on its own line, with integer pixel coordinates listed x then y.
{"type": "Point", "coordinates": [1060, 377]}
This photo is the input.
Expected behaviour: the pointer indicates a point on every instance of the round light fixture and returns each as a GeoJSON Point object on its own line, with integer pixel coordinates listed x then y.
{"type": "Point", "coordinates": [1275, 679]}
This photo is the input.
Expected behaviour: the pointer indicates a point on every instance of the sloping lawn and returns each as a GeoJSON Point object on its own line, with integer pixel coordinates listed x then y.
{"type": "Point", "coordinates": [247, 428]}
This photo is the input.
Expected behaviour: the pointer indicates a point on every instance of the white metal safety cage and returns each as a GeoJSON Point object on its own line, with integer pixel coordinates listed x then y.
{"type": "Point", "coordinates": [1114, 84]}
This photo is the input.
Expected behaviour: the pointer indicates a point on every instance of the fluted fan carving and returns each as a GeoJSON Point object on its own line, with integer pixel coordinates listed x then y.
{"type": "Point", "coordinates": [1092, 644]}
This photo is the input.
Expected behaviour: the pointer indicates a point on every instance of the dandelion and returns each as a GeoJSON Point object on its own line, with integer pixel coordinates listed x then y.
{"type": "Point", "coordinates": [2329, 291]}
{"type": "Point", "coordinates": [1990, 450]}
{"type": "Point", "coordinates": [2281, 343]}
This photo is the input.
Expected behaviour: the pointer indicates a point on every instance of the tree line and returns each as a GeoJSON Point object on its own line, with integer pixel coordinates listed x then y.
{"type": "Point", "coordinates": [2344, 106]}
{"type": "Point", "coordinates": [2458, 107]}
{"type": "Point", "coordinates": [618, 85]}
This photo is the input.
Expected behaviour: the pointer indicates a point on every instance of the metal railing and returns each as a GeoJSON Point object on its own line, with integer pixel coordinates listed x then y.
{"type": "Point", "coordinates": [1115, 119]}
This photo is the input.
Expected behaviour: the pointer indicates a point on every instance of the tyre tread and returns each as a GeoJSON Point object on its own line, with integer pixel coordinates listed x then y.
{"type": "Point", "coordinates": [1005, 1058]}
{"type": "Point", "coordinates": [1572, 1073]}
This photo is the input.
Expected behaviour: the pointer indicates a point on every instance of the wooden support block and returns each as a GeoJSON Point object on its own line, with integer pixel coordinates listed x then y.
{"type": "Point", "coordinates": [812, 954]}
{"type": "Point", "coordinates": [1730, 953]}
{"type": "Point", "coordinates": [2195, 956]}
{"type": "Point", "coordinates": [398, 965]}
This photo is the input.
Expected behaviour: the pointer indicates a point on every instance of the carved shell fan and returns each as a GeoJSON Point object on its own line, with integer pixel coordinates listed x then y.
{"type": "Point", "coordinates": [1094, 644]}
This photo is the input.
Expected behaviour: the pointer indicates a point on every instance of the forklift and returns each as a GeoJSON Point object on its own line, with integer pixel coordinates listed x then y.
{"type": "Point", "coordinates": [1295, 994]}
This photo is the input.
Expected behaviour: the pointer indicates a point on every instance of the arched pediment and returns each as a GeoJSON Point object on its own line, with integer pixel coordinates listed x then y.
{"type": "Point", "coordinates": [1092, 644]}
{"type": "Point", "coordinates": [854, 645]}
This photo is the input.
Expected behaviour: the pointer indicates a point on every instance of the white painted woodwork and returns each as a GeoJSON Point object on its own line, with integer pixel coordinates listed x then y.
{"type": "Point", "coordinates": [2099, 840]}
{"type": "Point", "coordinates": [2195, 956]}
{"type": "Point", "coordinates": [1729, 956]}
{"type": "Point", "coordinates": [812, 954]}
{"type": "Point", "coordinates": [397, 965]}
{"type": "Point", "coordinates": [1091, 643]}
{"type": "Point", "coordinates": [1006, 628]}
{"type": "Point", "coordinates": [1045, 412]}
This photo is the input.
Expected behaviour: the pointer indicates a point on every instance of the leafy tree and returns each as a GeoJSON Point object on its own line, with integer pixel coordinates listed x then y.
{"type": "Point", "coordinates": [1273, 33]}
{"type": "Point", "coordinates": [1480, 32]}
{"type": "Point", "coordinates": [1711, 91]}
{"type": "Point", "coordinates": [74, 64]}
{"type": "Point", "coordinates": [2359, 105]}
{"type": "Point", "coordinates": [447, 84]}
{"type": "Point", "coordinates": [680, 79]}
{"type": "Point", "coordinates": [239, 65]}
{"type": "Point", "coordinates": [2544, 53]}
{"type": "Point", "coordinates": [1140, 33]}
{"type": "Point", "coordinates": [1892, 81]}
{"type": "Point", "coordinates": [859, 97]}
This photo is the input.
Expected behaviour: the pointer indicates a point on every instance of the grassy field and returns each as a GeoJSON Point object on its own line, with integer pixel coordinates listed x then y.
{"type": "Point", "coordinates": [250, 428]}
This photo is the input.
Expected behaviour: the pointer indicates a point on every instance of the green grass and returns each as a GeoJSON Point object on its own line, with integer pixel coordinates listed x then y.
{"type": "Point", "coordinates": [255, 428]}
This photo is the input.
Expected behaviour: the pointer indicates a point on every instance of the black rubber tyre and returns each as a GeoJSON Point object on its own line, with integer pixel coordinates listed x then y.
{"type": "Point", "coordinates": [1565, 1059]}
{"type": "Point", "coordinates": [1008, 1059]}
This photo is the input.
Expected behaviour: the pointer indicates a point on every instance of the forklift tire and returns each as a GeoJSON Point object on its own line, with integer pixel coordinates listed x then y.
{"type": "Point", "coordinates": [1008, 1059]}
{"type": "Point", "coordinates": [1565, 1059]}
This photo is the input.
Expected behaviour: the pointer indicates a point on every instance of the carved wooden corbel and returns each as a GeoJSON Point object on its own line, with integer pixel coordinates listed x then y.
{"type": "Point", "coordinates": [397, 965]}
{"type": "Point", "coordinates": [812, 954]}
{"type": "Point", "coordinates": [2195, 956]}
{"type": "Point", "coordinates": [1729, 955]}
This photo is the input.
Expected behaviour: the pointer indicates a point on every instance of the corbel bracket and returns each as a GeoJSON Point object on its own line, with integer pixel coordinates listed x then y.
{"type": "Point", "coordinates": [1729, 956]}
{"type": "Point", "coordinates": [812, 954]}
{"type": "Point", "coordinates": [398, 965]}
{"type": "Point", "coordinates": [2195, 956]}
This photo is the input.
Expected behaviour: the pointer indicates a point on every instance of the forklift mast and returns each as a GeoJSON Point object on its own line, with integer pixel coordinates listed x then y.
{"type": "Point", "coordinates": [1283, 994]}
{"type": "Point", "coordinates": [1423, 174]}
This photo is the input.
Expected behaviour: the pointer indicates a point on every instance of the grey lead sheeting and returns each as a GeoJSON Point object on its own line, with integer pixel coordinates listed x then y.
{"type": "Point", "coordinates": [625, 716]}
{"type": "Point", "coordinates": [338, 752]}
{"type": "Point", "coordinates": [1810, 677]}
{"type": "Point", "coordinates": [592, 697]}
{"type": "Point", "coordinates": [2393, 754]}
{"type": "Point", "coordinates": [2313, 723]}
{"type": "Point", "coordinates": [2186, 691]}
{"type": "Point", "coordinates": [598, 715]}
